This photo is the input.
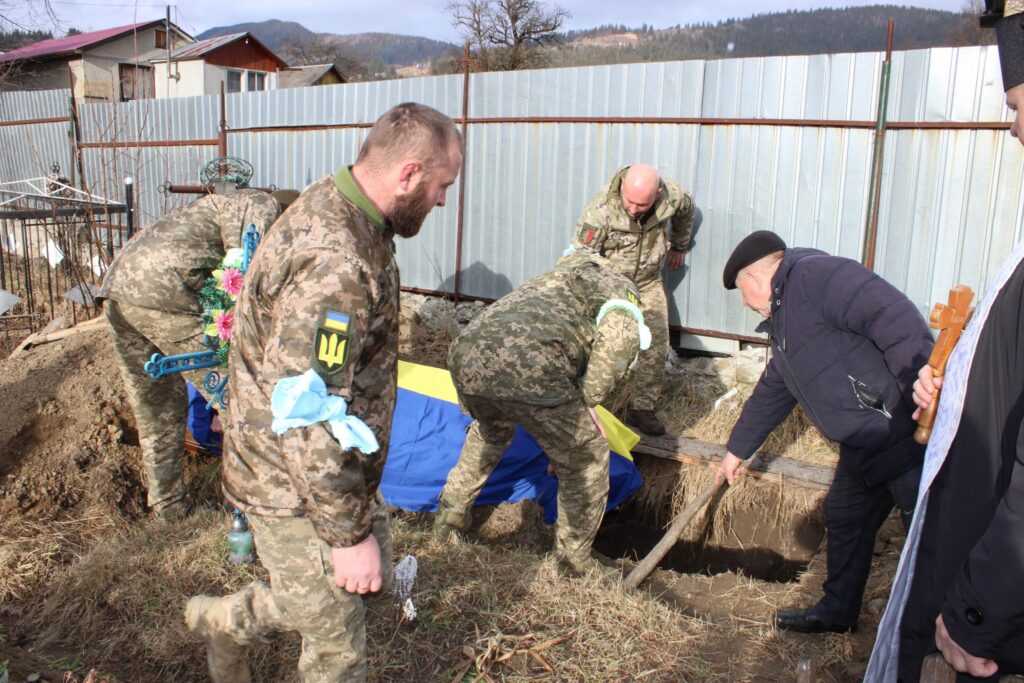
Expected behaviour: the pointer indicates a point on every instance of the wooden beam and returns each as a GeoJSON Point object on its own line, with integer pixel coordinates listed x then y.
{"type": "Point", "coordinates": [936, 670]}
{"type": "Point", "coordinates": [768, 466]}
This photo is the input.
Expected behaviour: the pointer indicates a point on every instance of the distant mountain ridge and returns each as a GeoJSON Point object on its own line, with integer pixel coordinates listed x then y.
{"type": "Point", "coordinates": [388, 48]}
{"type": "Point", "coordinates": [794, 32]}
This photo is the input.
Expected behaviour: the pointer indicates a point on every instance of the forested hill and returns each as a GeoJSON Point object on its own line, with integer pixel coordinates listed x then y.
{"type": "Point", "coordinates": [387, 48]}
{"type": "Point", "coordinates": [855, 29]}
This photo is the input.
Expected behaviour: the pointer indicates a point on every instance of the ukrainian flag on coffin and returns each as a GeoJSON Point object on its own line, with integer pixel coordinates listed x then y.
{"type": "Point", "coordinates": [427, 436]}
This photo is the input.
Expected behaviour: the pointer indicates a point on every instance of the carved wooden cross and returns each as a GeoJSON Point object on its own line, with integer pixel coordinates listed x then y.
{"type": "Point", "coordinates": [950, 320]}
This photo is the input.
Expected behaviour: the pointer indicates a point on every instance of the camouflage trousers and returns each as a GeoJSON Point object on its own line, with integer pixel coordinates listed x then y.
{"type": "Point", "coordinates": [303, 597]}
{"type": "Point", "coordinates": [160, 405]}
{"type": "Point", "coordinates": [570, 440]}
{"type": "Point", "coordinates": [650, 367]}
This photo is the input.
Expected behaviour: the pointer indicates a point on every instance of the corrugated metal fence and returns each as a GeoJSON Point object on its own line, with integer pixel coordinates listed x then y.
{"type": "Point", "coordinates": [781, 142]}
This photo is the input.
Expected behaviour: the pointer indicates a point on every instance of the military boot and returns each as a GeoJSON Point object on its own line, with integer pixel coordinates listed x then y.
{"type": "Point", "coordinates": [208, 618]}
{"type": "Point", "coordinates": [449, 518]}
{"type": "Point", "coordinates": [169, 513]}
{"type": "Point", "coordinates": [646, 421]}
{"type": "Point", "coordinates": [583, 565]}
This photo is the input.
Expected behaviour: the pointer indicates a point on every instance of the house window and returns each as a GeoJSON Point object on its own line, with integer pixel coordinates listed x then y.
{"type": "Point", "coordinates": [161, 39]}
{"type": "Point", "coordinates": [234, 83]}
{"type": "Point", "coordinates": [136, 81]}
{"type": "Point", "coordinates": [257, 81]}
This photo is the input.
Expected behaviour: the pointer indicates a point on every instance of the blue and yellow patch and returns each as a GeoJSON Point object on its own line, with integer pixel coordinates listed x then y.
{"type": "Point", "coordinates": [331, 342]}
{"type": "Point", "coordinates": [336, 321]}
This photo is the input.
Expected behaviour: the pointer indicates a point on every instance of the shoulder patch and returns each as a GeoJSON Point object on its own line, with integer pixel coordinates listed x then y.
{"type": "Point", "coordinates": [632, 296]}
{"type": "Point", "coordinates": [589, 236]}
{"type": "Point", "coordinates": [330, 341]}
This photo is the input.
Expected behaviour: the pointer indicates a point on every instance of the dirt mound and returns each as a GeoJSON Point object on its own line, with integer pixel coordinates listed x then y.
{"type": "Point", "coordinates": [67, 435]}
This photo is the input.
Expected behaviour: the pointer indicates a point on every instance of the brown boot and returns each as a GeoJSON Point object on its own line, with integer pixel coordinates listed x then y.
{"type": "Point", "coordinates": [206, 617]}
{"type": "Point", "coordinates": [646, 421]}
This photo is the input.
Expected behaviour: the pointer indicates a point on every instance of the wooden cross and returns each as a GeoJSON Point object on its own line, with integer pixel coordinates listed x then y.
{"type": "Point", "coordinates": [950, 320]}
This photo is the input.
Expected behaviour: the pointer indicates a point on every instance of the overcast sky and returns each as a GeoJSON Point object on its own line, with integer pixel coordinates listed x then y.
{"type": "Point", "coordinates": [411, 17]}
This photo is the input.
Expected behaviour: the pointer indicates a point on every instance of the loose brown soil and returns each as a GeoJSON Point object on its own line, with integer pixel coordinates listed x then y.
{"type": "Point", "coordinates": [87, 581]}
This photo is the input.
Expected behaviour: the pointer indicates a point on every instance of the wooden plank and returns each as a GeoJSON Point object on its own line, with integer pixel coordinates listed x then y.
{"type": "Point", "coordinates": [768, 466]}
{"type": "Point", "coordinates": [936, 670]}
{"type": "Point", "coordinates": [43, 337]}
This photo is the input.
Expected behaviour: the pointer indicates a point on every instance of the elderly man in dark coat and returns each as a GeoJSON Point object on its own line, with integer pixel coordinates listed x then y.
{"type": "Point", "coordinates": [846, 346]}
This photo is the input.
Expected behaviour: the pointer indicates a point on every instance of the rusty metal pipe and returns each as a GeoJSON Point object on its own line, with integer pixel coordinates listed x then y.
{"type": "Point", "coordinates": [171, 188]}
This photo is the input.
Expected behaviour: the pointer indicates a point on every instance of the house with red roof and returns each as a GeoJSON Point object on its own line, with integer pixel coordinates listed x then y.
{"type": "Point", "coordinates": [114, 64]}
{"type": "Point", "coordinates": [239, 60]}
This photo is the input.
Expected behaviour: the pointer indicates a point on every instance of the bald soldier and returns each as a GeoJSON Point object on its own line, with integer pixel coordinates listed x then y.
{"type": "Point", "coordinates": [152, 306]}
{"type": "Point", "coordinates": [544, 356]}
{"type": "Point", "coordinates": [313, 371]}
{"type": "Point", "coordinates": [635, 222]}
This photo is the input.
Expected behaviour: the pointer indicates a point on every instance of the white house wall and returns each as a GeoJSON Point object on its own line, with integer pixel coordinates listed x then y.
{"type": "Point", "coordinates": [191, 81]}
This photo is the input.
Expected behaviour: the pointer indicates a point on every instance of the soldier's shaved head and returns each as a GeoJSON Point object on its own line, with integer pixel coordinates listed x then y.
{"type": "Point", "coordinates": [641, 187]}
{"type": "Point", "coordinates": [409, 130]}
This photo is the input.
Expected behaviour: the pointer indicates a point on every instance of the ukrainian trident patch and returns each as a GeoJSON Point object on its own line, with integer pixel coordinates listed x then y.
{"type": "Point", "coordinates": [330, 343]}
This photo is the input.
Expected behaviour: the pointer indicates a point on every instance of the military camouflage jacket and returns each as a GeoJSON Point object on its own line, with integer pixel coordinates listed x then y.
{"type": "Point", "coordinates": [541, 345]}
{"type": "Point", "coordinates": [165, 265]}
{"type": "Point", "coordinates": [322, 292]}
{"type": "Point", "coordinates": [636, 250]}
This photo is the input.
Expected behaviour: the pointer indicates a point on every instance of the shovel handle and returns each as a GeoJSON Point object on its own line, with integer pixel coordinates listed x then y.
{"type": "Point", "coordinates": [647, 565]}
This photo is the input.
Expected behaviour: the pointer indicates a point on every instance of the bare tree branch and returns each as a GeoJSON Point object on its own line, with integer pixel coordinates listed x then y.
{"type": "Point", "coordinates": [506, 34]}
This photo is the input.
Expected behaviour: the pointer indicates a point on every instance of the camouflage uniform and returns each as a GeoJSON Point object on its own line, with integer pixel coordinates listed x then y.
{"type": "Point", "coordinates": [322, 292]}
{"type": "Point", "coordinates": [538, 358]}
{"type": "Point", "coordinates": [638, 250]}
{"type": "Point", "coordinates": [152, 292]}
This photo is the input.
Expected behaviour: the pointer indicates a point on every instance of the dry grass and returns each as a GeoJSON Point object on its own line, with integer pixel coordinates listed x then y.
{"type": "Point", "coordinates": [669, 486]}
{"type": "Point", "coordinates": [688, 409]}
{"type": "Point", "coordinates": [117, 606]}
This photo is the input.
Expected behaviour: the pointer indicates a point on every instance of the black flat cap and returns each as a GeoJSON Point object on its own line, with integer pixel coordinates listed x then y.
{"type": "Point", "coordinates": [1010, 36]}
{"type": "Point", "coordinates": [753, 247]}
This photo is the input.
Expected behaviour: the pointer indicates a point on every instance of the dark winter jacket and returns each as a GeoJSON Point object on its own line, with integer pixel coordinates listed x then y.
{"type": "Point", "coordinates": [846, 345]}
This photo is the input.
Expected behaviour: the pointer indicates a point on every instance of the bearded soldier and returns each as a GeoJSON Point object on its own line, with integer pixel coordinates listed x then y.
{"type": "Point", "coordinates": [313, 372]}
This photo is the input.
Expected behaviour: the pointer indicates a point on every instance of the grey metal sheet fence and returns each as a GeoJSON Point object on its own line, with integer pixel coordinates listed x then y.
{"type": "Point", "coordinates": [781, 142]}
{"type": "Point", "coordinates": [180, 118]}
{"type": "Point", "coordinates": [29, 150]}
{"type": "Point", "coordinates": [36, 104]}
{"type": "Point", "coordinates": [351, 103]}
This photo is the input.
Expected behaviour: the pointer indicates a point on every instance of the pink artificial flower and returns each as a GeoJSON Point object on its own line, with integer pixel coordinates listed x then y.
{"type": "Point", "coordinates": [223, 320]}
{"type": "Point", "coordinates": [231, 281]}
